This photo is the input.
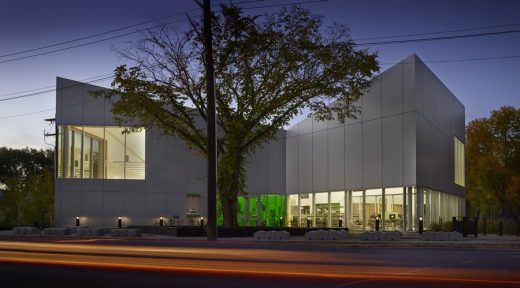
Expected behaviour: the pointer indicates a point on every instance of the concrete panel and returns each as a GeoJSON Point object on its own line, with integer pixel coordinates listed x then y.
{"type": "Point", "coordinates": [305, 163]}
{"type": "Point", "coordinates": [196, 174]}
{"type": "Point", "coordinates": [155, 206]}
{"type": "Point", "coordinates": [113, 207]}
{"type": "Point", "coordinates": [292, 165]}
{"type": "Point", "coordinates": [114, 185]}
{"type": "Point", "coordinates": [372, 101]}
{"type": "Point", "coordinates": [392, 90]}
{"type": "Point", "coordinates": [176, 205]}
{"type": "Point", "coordinates": [419, 87]}
{"type": "Point", "coordinates": [138, 186]}
{"type": "Point", "coordinates": [393, 151]}
{"type": "Point", "coordinates": [93, 107]}
{"type": "Point", "coordinates": [109, 116]}
{"type": "Point", "coordinates": [256, 168]}
{"type": "Point", "coordinates": [318, 125]}
{"type": "Point", "coordinates": [409, 86]}
{"type": "Point", "coordinates": [71, 206]}
{"type": "Point", "coordinates": [305, 126]}
{"type": "Point", "coordinates": [156, 159]}
{"type": "Point", "coordinates": [276, 165]}
{"type": "Point", "coordinates": [320, 178]}
{"type": "Point", "coordinates": [409, 148]}
{"type": "Point", "coordinates": [92, 215]}
{"type": "Point", "coordinates": [372, 164]}
{"type": "Point", "coordinates": [354, 156]}
{"type": "Point", "coordinates": [71, 101]}
{"type": "Point", "coordinates": [176, 167]}
{"type": "Point", "coordinates": [57, 204]}
{"type": "Point", "coordinates": [336, 163]}
{"type": "Point", "coordinates": [92, 185]}
{"type": "Point", "coordinates": [334, 123]}
{"type": "Point", "coordinates": [135, 210]}
{"type": "Point", "coordinates": [357, 117]}
{"type": "Point", "coordinates": [71, 185]}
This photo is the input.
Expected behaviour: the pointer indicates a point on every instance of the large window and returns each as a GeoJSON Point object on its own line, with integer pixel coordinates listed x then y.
{"type": "Point", "coordinates": [96, 152]}
{"type": "Point", "coordinates": [394, 210]}
{"type": "Point", "coordinates": [459, 161]}
{"type": "Point", "coordinates": [373, 207]}
{"type": "Point", "coordinates": [357, 210]}
{"type": "Point", "coordinates": [337, 208]}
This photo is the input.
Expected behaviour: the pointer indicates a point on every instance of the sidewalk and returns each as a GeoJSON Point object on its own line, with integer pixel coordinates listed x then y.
{"type": "Point", "coordinates": [410, 240]}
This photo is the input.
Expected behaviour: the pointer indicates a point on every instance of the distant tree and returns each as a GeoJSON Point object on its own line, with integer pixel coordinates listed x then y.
{"type": "Point", "coordinates": [493, 162]}
{"type": "Point", "coordinates": [268, 69]}
{"type": "Point", "coordinates": [28, 198]}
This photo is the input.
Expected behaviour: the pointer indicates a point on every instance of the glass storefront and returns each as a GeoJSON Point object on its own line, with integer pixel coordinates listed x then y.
{"type": "Point", "coordinates": [337, 209]}
{"type": "Point", "coordinates": [394, 209]}
{"type": "Point", "coordinates": [373, 207]}
{"type": "Point", "coordinates": [96, 152]}
{"type": "Point", "coordinates": [398, 208]}
{"type": "Point", "coordinates": [357, 220]}
{"type": "Point", "coordinates": [306, 211]}
{"type": "Point", "coordinates": [321, 206]}
{"type": "Point", "coordinates": [292, 210]}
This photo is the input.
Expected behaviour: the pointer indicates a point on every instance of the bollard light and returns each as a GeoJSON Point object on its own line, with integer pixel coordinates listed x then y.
{"type": "Point", "coordinates": [340, 222]}
{"type": "Point", "coordinates": [201, 221]}
{"type": "Point", "coordinates": [281, 221]}
{"type": "Point", "coordinates": [377, 223]}
{"type": "Point", "coordinates": [120, 222]}
{"type": "Point", "coordinates": [309, 221]}
{"type": "Point", "coordinates": [161, 221]}
{"type": "Point", "coordinates": [421, 225]}
{"type": "Point", "coordinates": [77, 221]}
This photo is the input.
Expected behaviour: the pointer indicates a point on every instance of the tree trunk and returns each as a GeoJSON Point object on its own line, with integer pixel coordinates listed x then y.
{"type": "Point", "coordinates": [230, 184]}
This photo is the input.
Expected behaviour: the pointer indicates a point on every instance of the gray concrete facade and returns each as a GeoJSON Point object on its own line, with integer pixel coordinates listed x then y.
{"type": "Point", "coordinates": [173, 172]}
{"type": "Point", "coordinates": [403, 136]}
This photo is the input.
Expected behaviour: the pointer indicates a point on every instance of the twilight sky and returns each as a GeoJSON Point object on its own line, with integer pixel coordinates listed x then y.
{"type": "Point", "coordinates": [481, 85]}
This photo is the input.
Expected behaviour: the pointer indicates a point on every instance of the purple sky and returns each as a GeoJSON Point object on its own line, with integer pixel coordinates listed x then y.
{"type": "Point", "coordinates": [482, 86]}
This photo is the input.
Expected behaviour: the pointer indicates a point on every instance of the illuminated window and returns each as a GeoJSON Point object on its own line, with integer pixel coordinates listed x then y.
{"type": "Point", "coordinates": [97, 152]}
{"type": "Point", "coordinates": [459, 161]}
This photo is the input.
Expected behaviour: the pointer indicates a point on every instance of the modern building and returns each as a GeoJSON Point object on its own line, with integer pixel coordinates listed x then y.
{"type": "Point", "coordinates": [401, 158]}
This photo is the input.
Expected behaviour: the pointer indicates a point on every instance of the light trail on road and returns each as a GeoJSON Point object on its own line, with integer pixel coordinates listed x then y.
{"type": "Point", "coordinates": [242, 261]}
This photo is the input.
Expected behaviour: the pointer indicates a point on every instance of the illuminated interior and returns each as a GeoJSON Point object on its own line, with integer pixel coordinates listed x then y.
{"type": "Point", "coordinates": [97, 152]}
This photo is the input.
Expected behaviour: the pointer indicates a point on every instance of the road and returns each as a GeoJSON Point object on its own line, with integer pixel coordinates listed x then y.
{"type": "Point", "coordinates": [92, 263]}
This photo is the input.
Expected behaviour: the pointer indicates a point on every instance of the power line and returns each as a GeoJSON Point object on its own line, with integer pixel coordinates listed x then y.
{"type": "Point", "coordinates": [112, 31]}
{"type": "Point", "coordinates": [385, 63]}
{"type": "Point", "coordinates": [26, 114]}
{"type": "Point", "coordinates": [149, 28]}
{"type": "Point", "coordinates": [55, 89]}
{"type": "Point", "coordinates": [438, 32]}
{"type": "Point", "coordinates": [483, 34]}
{"type": "Point", "coordinates": [54, 86]}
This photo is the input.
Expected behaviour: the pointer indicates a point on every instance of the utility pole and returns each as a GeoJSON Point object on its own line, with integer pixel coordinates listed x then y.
{"type": "Point", "coordinates": [211, 122]}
